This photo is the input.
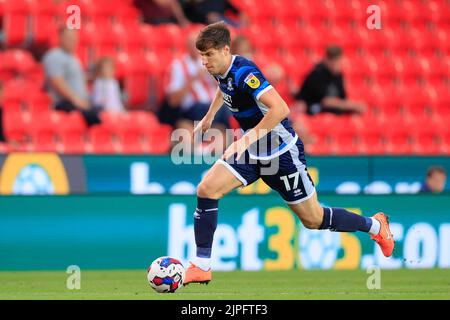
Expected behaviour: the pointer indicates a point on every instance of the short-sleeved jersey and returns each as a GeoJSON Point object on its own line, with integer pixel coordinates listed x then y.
{"type": "Point", "coordinates": [242, 86]}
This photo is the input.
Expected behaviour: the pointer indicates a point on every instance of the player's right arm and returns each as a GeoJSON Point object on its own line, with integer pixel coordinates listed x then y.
{"type": "Point", "coordinates": [207, 120]}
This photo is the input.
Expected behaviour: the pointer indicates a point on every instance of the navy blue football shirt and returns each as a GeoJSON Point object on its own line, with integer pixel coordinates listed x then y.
{"type": "Point", "coordinates": [242, 86]}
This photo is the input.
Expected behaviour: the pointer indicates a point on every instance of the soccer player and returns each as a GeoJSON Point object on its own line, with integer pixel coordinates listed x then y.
{"type": "Point", "coordinates": [262, 114]}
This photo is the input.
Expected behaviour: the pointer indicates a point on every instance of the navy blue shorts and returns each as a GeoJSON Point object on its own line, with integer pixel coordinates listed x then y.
{"type": "Point", "coordinates": [287, 174]}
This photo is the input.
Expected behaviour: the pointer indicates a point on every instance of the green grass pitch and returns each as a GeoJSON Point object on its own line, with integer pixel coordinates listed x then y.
{"type": "Point", "coordinates": [286, 285]}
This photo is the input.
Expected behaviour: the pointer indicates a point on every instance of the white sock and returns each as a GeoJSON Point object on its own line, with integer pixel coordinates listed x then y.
{"type": "Point", "coordinates": [375, 228]}
{"type": "Point", "coordinates": [203, 263]}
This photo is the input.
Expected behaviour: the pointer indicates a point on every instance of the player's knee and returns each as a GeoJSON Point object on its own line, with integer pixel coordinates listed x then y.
{"type": "Point", "coordinates": [207, 190]}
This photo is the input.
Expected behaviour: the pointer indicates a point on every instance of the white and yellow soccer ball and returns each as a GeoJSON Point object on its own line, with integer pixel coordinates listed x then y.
{"type": "Point", "coordinates": [166, 274]}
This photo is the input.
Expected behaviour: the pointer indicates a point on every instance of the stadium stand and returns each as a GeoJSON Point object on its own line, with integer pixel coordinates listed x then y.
{"type": "Point", "coordinates": [401, 71]}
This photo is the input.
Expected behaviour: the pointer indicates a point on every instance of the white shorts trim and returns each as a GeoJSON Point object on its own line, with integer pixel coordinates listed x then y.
{"type": "Point", "coordinates": [276, 154]}
{"type": "Point", "coordinates": [303, 199]}
{"type": "Point", "coordinates": [233, 171]}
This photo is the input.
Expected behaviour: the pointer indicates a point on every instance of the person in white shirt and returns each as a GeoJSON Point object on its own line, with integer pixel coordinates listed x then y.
{"type": "Point", "coordinates": [191, 90]}
{"type": "Point", "coordinates": [106, 93]}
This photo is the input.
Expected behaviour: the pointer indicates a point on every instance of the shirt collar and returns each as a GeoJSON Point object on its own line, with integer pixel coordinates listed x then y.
{"type": "Point", "coordinates": [231, 64]}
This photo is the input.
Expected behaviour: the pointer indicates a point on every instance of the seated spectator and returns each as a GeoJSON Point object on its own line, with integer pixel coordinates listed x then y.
{"type": "Point", "coordinates": [65, 78]}
{"type": "Point", "coordinates": [276, 76]}
{"type": "Point", "coordinates": [211, 11]}
{"type": "Point", "coordinates": [190, 92]}
{"type": "Point", "coordinates": [240, 45]}
{"type": "Point", "coordinates": [106, 93]}
{"type": "Point", "coordinates": [161, 11]}
{"type": "Point", "coordinates": [323, 89]}
{"type": "Point", "coordinates": [435, 180]}
{"type": "Point", "coordinates": [2, 135]}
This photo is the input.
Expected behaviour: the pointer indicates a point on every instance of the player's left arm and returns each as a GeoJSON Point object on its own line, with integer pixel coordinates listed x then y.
{"type": "Point", "coordinates": [277, 111]}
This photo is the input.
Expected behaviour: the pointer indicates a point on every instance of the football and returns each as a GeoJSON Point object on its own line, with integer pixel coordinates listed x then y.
{"type": "Point", "coordinates": [165, 275]}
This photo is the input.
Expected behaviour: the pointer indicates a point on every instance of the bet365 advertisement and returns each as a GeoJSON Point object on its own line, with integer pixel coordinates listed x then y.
{"type": "Point", "coordinates": [49, 174]}
{"type": "Point", "coordinates": [255, 232]}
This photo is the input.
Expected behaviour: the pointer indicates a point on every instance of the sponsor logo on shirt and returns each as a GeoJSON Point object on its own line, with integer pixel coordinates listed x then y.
{"type": "Point", "coordinates": [252, 81]}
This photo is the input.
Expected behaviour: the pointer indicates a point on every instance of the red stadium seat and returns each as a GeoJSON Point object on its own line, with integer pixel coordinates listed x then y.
{"type": "Point", "coordinates": [16, 128]}
{"type": "Point", "coordinates": [45, 139]}
{"type": "Point", "coordinates": [137, 39]}
{"type": "Point", "coordinates": [5, 148]}
{"type": "Point", "coordinates": [138, 89]}
{"type": "Point", "coordinates": [73, 141]}
{"type": "Point", "coordinates": [103, 139]}
{"type": "Point", "coordinates": [17, 91]}
{"type": "Point", "coordinates": [18, 61]}
{"type": "Point", "coordinates": [158, 139]}
{"type": "Point", "coordinates": [401, 71]}
{"type": "Point", "coordinates": [38, 102]}
{"type": "Point", "coordinates": [400, 140]}
{"type": "Point", "coordinates": [108, 40]}
{"type": "Point", "coordinates": [428, 139]}
{"type": "Point", "coordinates": [45, 15]}
{"type": "Point", "coordinates": [322, 140]}
{"type": "Point", "coordinates": [373, 137]}
{"type": "Point", "coordinates": [15, 22]}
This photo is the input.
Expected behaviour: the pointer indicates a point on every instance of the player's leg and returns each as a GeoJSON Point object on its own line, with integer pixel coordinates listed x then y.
{"type": "Point", "coordinates": [218, 181]}
{"type": "Point", "coordinates": [296, 187]}
{"type": "Point", "coordinates": [314, 216]}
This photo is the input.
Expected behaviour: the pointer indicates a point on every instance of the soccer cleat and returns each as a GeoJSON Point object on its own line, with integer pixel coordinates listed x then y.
{"type": "Point", "coordinates": [384, 238]}
{"type": "Point", "coordinates": [196, 275]}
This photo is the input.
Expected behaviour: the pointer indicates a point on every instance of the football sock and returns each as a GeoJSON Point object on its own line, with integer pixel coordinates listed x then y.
{"type": "Point", "coordinates": [203, 263]}
{"type": "Point", "coordinates": [375, 228]}
{"type": "Point", "coordinates": [341, 220]}
{"type": "Point", "coordinates": [205, 223]}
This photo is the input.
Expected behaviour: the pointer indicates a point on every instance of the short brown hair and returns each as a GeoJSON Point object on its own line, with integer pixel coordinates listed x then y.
{"type": "Point", "coordinates": [434, 169]}
{"type": "Point", "coordinates": [216, 35]}
{"type": "Point", "coordinates": [333, 52]}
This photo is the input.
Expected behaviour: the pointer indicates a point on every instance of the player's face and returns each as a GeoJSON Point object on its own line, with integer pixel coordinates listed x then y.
{"type": "Point", "coordinates": [215, 60]}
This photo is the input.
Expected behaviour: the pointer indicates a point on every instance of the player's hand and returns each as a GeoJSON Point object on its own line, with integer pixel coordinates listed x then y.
{"type": "Point", "coordinates": [238, 147]}
{"type": "Point", "coordinates": [80, 103]}
{"type": "Point", "coordinates": [203, 126]}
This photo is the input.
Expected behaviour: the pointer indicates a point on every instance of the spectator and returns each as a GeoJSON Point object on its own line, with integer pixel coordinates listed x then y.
{"type": "Point", "coordinates": [323, 89]}
{"type": "Point", "coordinates": [65, 79]}
{"type": "Point", "coordinates": [190, 92]}
{"type": "Point", "coordinates": [211, 11]}
{"type": "Point", "coordinates": [106, 93]}
{"type": "Point", "coordinates": [161, 11]}
{"type": "Point", "coordinates": [2, 135]}
{"type": "Point", "coordinates": [242, 46]}
{"type": "Point", "coordinates": [435, 180]}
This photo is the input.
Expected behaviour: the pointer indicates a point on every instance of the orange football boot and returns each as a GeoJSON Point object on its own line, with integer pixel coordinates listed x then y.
{"type": "Point", "coordinates": [196, 275]}
{"type": "Point", "coordinates": [384, 238]}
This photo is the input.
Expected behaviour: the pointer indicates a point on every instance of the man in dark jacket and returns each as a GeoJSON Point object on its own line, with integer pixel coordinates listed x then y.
{"type": "Point", "coordinates": [323, 89]}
